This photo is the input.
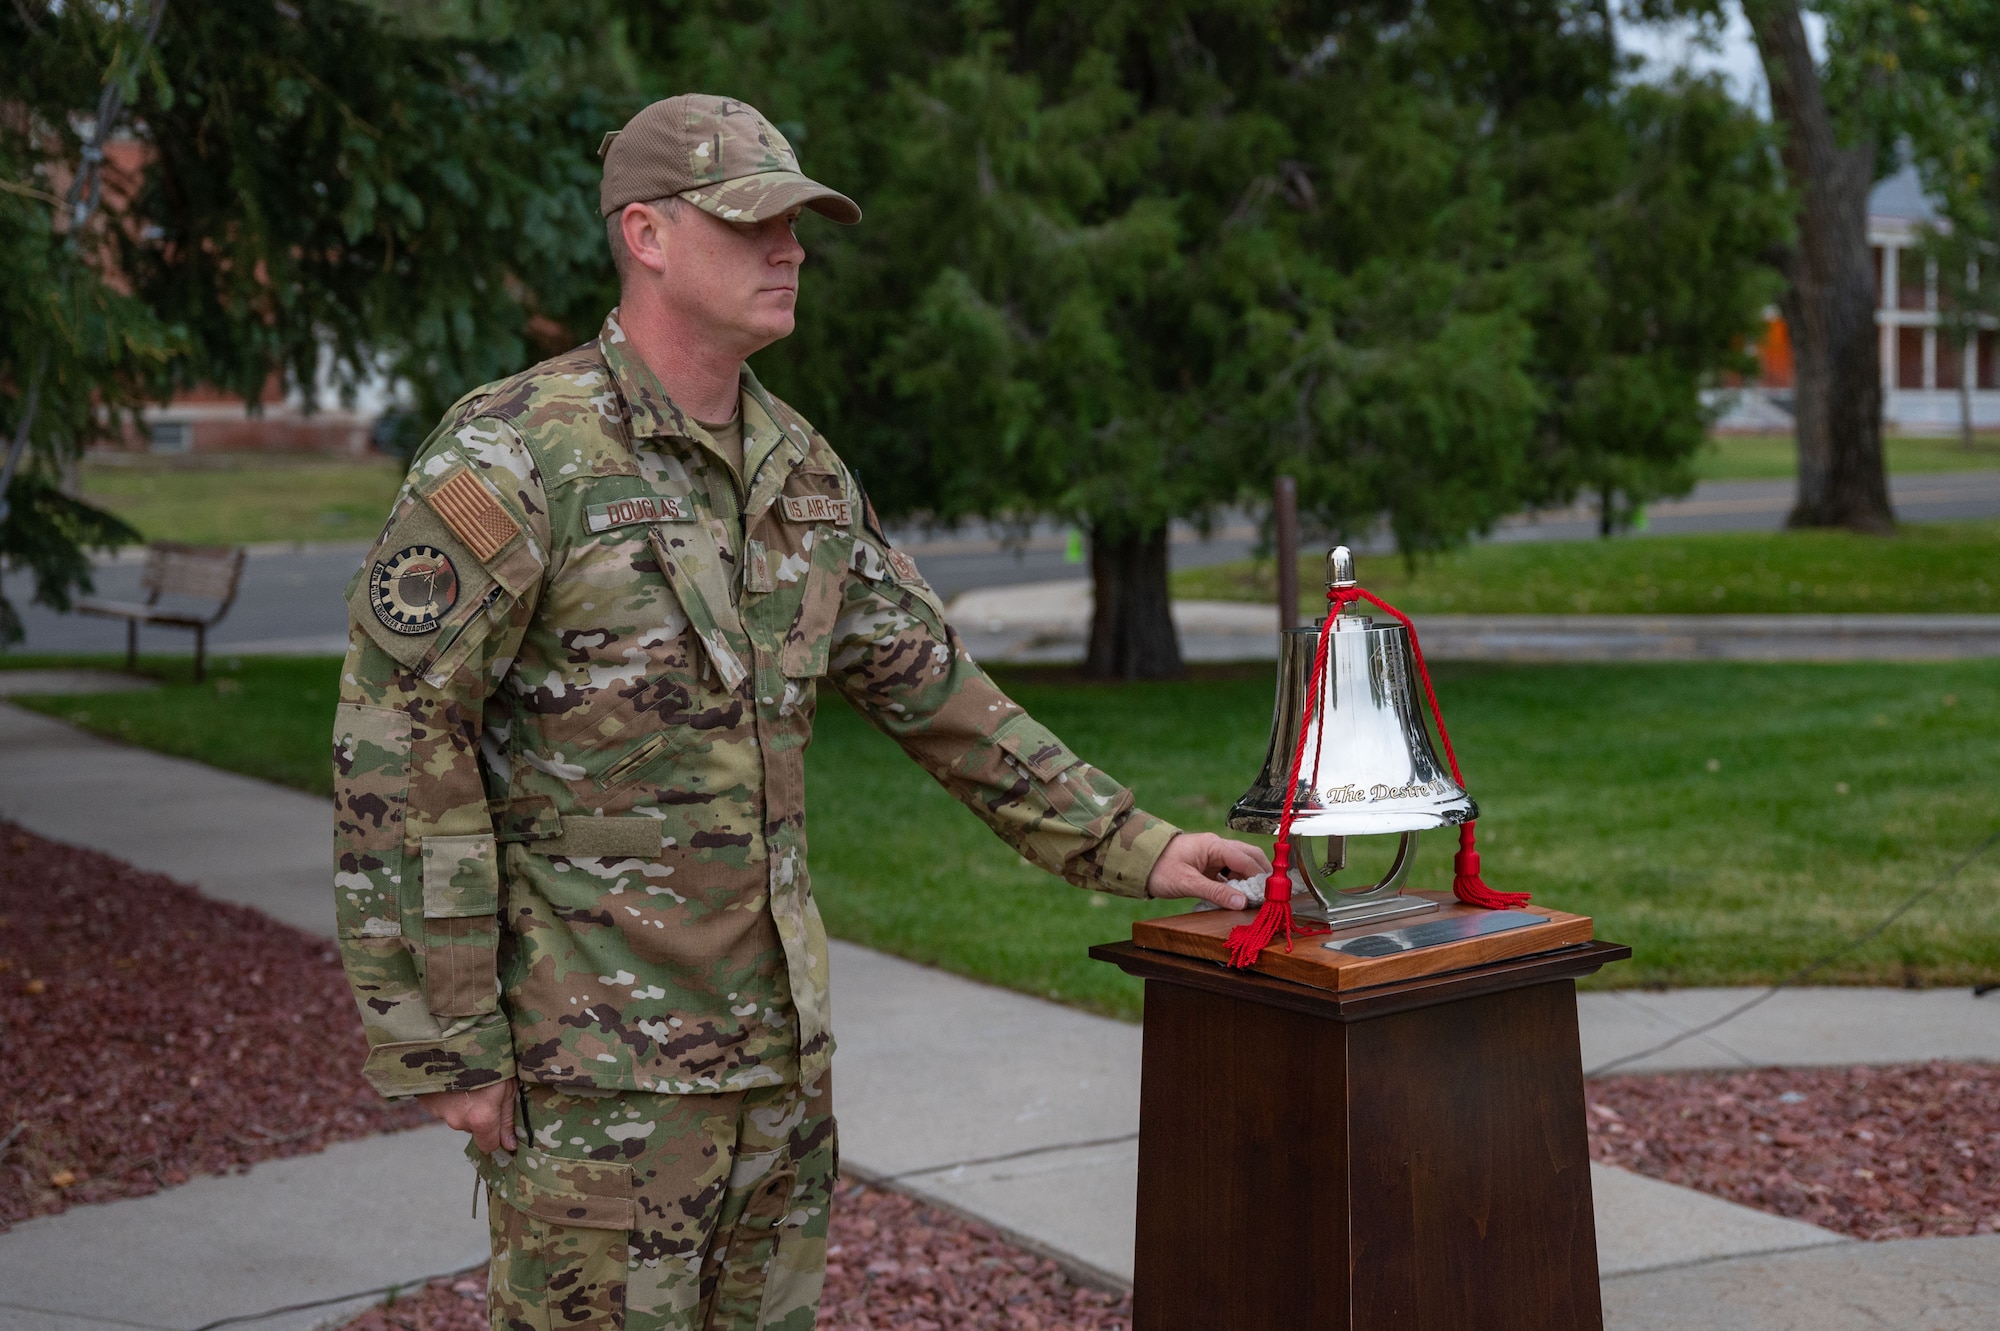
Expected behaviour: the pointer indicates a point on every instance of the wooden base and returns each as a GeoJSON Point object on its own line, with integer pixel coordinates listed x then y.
{"type": "Point", "coordinates": [1402, 1157]}
{"type": "Point", "coordinates": [1204, 934]}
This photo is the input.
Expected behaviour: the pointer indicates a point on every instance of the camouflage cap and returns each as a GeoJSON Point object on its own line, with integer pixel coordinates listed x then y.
{"type": "Point", "coordinates": [719, 154]}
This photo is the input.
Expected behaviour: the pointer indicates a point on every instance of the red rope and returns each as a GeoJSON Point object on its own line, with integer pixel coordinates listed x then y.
{"type": "Point", "coordinates": [1466, 884]}
{"type": "Point", "coordinates": [1248, 941]}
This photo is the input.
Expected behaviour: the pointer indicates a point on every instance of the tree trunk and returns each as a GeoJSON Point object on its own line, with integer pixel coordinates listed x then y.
{"type": "Point", "coordinates": [1966, 439]}
{"type": "Point", "coordinates": [1131, 622]}
{"type": "Point", "coordinates": [1830, 302]}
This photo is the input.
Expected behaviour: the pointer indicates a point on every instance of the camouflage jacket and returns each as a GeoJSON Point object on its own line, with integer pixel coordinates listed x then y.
{"type": "Point", "coordinates": [569, 753]}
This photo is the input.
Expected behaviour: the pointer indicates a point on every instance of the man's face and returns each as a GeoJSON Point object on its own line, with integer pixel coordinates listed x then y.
{"type": "Point", "coordinates": [738, 282]}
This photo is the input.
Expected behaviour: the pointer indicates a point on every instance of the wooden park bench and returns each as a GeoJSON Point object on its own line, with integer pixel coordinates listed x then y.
{"type": "Point", "coordinates": [186, 587]}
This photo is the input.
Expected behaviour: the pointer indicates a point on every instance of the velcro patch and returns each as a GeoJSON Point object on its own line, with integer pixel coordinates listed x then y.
{"type": "Point", "coordinates": [473, 515]}
{"type": "Point", "coordinates": [817, 508]}
{"type": "Point", "coordinates": [904, 567]}
{"type": "Point", "coordinates": [413, 589]}
{"type": "Point", "coordinates": [641, 508]}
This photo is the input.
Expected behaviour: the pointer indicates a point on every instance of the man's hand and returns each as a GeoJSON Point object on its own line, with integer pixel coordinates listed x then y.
{"type": "Point", "coordinates": [487, 1113]}
{"type": "Point", "coordinates": [1195, 864]}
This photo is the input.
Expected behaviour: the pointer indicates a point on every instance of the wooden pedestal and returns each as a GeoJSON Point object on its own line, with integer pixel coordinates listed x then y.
{"type": "Point", "coordinates": [1405, 1157]}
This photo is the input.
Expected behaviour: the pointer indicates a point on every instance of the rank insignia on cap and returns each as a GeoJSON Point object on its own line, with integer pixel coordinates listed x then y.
{"type": "Point", "coordinates": [412, 589]}
{"type": "Point", "coordinates": [817, 508]}
{"type": "Point", "coordinates": [473, 515]}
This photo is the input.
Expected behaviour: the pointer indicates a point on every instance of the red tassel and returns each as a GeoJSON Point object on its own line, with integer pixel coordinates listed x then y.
{"type": "Point", "coordinates": [1465, 882]}
{"type": "Point", "coordinates": [1248, 941]}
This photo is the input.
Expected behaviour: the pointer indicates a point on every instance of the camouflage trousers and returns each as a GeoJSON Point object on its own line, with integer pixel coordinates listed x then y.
{"type": "Point", "coordinates": [639, 1212]}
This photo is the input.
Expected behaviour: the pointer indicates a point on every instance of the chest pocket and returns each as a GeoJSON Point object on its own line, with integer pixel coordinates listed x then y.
{"type": "Point", "coordinates": [808, 641]}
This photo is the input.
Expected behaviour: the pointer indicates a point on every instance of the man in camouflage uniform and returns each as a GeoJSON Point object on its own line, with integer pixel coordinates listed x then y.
{"type": "Point", "coordinates": [569, 755]}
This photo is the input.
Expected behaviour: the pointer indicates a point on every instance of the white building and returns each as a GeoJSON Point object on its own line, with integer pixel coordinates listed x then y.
{"type": "Point", "coordinates": [1921, 370]}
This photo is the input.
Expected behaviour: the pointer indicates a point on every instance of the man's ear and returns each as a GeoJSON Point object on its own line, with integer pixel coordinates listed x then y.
{"type": "Point", "coordinates": [644, 229]}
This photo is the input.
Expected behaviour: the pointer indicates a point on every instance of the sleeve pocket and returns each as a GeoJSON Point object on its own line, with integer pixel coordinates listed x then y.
{"type": "Point", "coordinates": [1035, 747]}
{"type": "Point", "coordinates": [806, 646]}
{"type": "Point", "coordinates": [461, 924]}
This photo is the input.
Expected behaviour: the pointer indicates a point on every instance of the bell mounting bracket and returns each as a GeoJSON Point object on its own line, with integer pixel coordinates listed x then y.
{"type": "Point", "coordinates": [1360, 905]}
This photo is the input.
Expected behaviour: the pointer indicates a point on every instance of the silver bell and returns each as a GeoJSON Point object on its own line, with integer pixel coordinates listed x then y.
{"type": "Point", "coordinates": [1368, 767]}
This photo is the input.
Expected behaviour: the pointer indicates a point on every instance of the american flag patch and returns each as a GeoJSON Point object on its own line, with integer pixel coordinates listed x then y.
{"type": "Point", "coordinates": [473, 515]}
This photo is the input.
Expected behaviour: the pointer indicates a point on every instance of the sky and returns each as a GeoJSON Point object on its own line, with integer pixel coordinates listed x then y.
{"type": "Point", "coordinates": [1665, 47]}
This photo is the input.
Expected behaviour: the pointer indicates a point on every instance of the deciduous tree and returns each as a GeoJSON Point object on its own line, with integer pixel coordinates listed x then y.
{"type": "Point", "coordinates": [316, 190]}
{"type": "Point", "coordinates": [1121, 265]}
{"type": "Point", "coordinates": [1895, 76]}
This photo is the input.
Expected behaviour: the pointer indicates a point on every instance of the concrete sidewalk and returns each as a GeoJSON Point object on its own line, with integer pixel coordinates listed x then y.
{"type": "Point", "coordinates": [1049, 622]}
{"type": "Point", "coordinates": [1001, 1106]}
{"type": "Point", "coordinates": [351, 1220]}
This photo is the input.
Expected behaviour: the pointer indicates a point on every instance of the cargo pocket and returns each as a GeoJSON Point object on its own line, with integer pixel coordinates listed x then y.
{"type": "Point", "coordinates": [747, 1250]}
{"type": "Point", "coordinates": [583, 1194]}
{"type": "Point", "coordinates": [562, 1234]}
{"type": "Point", "coordinates": [461, 924]}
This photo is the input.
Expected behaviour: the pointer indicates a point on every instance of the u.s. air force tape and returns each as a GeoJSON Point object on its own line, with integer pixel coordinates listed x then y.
{"type": "Point", "coordinates": [817, 508]}
{"type": "Point", "coordinates": [640, 508]}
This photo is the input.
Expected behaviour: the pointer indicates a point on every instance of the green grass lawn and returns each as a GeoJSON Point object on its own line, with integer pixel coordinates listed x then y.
{"type": "Point", "coordinates": [249, 499]}
{"type": "Point", "coordinates": [1728, 821]}
{"type": "Point", "coordinates": [1932, 568]}
{"type": "Point", "coordinates": [267, 717]}
{"type": "Point", "coordinates": [1774, 458]}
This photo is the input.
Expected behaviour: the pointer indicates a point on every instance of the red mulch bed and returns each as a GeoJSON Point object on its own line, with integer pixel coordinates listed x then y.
{"type": "Point", "coordinates": [151, 1034]}
{"type": "Point", "coordinates": [892, 1262]}
{"type": "Point", "coordinates": [1875, 1153]}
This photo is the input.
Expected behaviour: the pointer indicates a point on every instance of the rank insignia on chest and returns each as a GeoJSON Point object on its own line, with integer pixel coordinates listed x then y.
{"type": "Point", "coordinates": [817, 508]}
{"type": "Point", "coordinates": [412, 589]}
{"type": "Point", "coordinates": [641, 508]}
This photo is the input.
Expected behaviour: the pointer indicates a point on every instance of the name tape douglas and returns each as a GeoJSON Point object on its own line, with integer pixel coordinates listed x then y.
{"type": "Point", "coordinates": [643, 508]}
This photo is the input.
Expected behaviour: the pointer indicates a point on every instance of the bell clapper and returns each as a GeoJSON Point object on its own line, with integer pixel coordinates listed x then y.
{"type": "Point", "coordinates": [1340, 908]}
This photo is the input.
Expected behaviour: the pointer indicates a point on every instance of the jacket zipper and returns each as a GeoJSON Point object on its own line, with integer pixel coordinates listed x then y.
{"type": "Point", "coordinates": [625, 767]}
{"type": "Point", "coordinates": [492, 595]}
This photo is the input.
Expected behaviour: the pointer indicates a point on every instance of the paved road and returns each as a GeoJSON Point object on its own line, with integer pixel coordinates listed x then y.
{"type": "Point", "coordinates": [291, 599]}
{"type": "Point", "coordinates": [291, 596]}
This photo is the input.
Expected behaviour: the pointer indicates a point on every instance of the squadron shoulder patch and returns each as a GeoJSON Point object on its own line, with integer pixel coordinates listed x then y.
{"type": "Point", "coordinates": [904, 567]}
{"type": "Point", "coordinates": [817, 508]}
{"type": "Point", "coordinates": [473, 515]}
{"type": "Point", "coordinates": [411, 590]}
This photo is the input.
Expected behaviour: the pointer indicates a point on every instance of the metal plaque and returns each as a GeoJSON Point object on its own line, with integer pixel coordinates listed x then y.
{"type": "Point", "coordinates": [1430, 933]}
